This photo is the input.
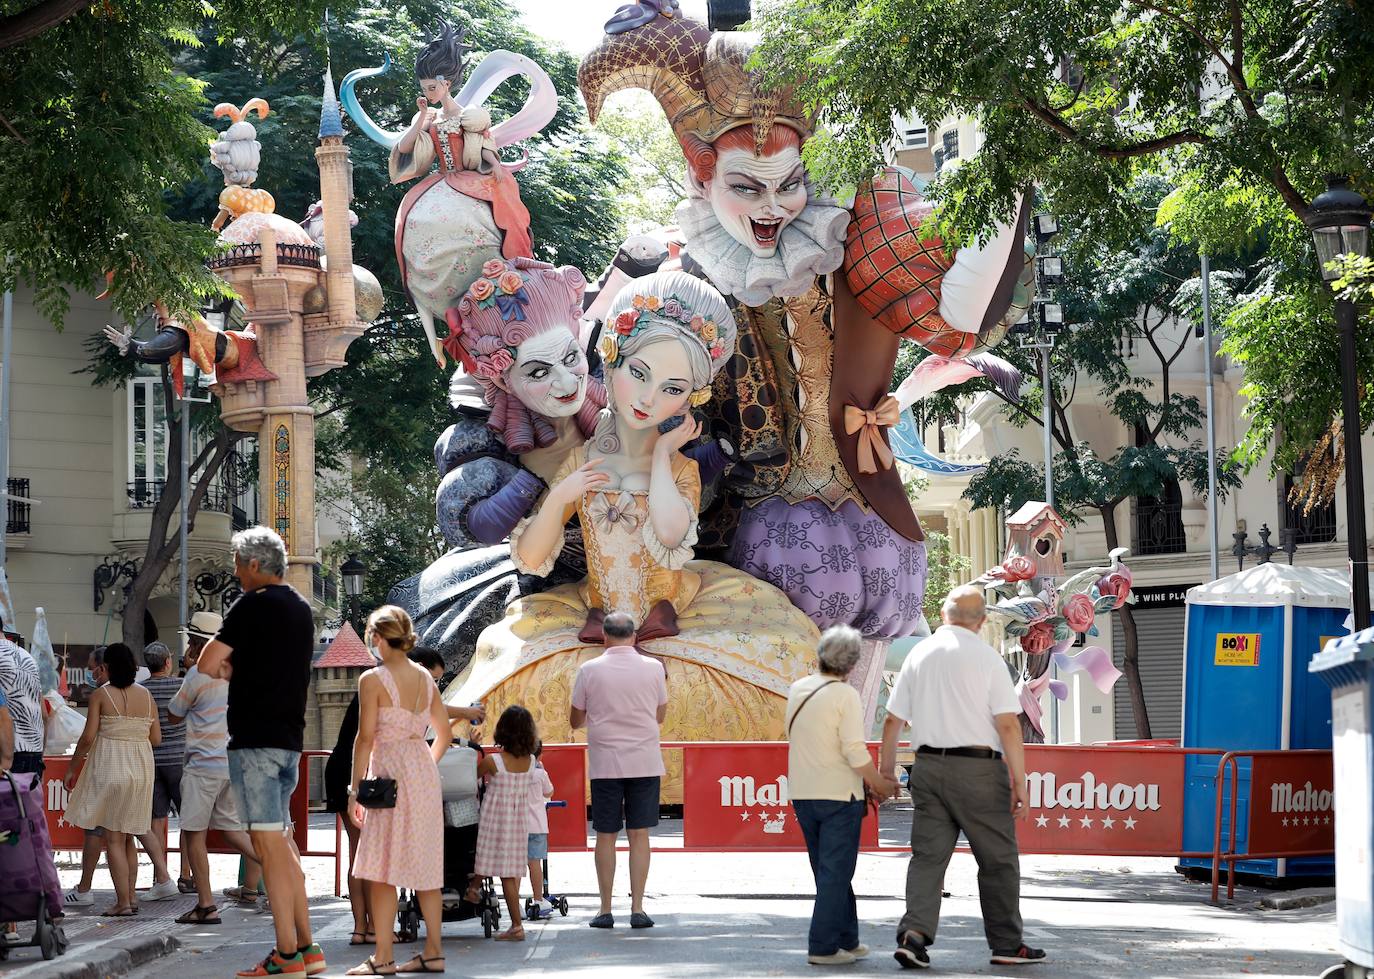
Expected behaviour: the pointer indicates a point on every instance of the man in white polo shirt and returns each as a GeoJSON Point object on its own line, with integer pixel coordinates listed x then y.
{"type": "Point", "coordinates": [955, 692]}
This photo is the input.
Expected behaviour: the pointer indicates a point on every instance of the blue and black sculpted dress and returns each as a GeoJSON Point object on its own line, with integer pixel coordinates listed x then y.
{"type": "Point", "coordinates": [485, 491]}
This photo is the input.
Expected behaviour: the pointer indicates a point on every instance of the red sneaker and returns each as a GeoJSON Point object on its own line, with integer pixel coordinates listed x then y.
{"type": "Point", "coordinates": [277, 965]}
{"type": "Point", "coordinates": [314, 960]}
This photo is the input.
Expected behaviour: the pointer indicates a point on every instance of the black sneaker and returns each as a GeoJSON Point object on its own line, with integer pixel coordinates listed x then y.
{"type": "Point", "coordinates": [911, 954]}
{"type": "Point", "coordinates": [1024, 955]}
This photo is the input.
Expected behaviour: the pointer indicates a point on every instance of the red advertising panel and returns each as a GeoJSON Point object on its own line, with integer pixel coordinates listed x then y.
{"type": "Point", "coordinates": [567, 768]}
{"type": "Point", "coordinates": [1103, 800]}
{"type": "Point", "coordinates": [1290, 804]}
{"type": "Point", "coordinates": [735, 798]}
{"type": "Point", "coordinates": [64, 835]}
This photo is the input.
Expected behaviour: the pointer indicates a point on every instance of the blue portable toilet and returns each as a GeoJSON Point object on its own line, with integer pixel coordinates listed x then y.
{"type": "Point", "coordinates": [1249, 638]}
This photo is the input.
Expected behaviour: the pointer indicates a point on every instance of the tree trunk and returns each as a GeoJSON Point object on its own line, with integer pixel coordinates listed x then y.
{"type": "Point", "coordinates": [29, 23]}
{"type": "Point", "coordinates": [162, 547]}
{"type": "Point", "coordinates": [1130, 654]}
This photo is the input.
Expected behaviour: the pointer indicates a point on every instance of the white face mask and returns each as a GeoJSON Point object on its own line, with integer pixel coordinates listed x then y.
{"type": "Point", "coordinates": [549, 375]}
{"type": "Point", "coordinates": [754, 198]}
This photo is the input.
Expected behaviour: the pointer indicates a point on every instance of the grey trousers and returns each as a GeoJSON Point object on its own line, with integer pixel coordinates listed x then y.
{"type": "Point", "coordinates": [950, 794]}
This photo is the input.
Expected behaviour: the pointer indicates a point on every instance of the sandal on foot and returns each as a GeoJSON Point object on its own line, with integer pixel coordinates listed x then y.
{"type": "Point", "coordinates": [361, 938]}
{"type": "Point", "coordinates": [118, 912]}
{"type": "Point", "coordinates": [186, 885]}
{"type": "Point", "coordinates": [511, 935]}
{"type": "Point", "coordinates": [200, 916]}
{"type": "Point", "coordinates": [424, 964]}
{"type": "Point", "coordinates": [371, 967]}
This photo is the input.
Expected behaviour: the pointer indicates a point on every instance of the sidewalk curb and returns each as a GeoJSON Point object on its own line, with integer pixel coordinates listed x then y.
{"type": "Point", "coordinates": [112, 958]}
{"type": "Point", "coordinates": [1306, 898]}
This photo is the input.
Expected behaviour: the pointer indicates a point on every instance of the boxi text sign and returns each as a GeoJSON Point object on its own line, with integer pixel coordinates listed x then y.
{"type": "Point", "coordinates": [1237, 649]}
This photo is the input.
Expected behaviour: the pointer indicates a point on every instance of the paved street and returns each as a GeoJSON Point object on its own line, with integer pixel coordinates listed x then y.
{"type": "Point", "coordinates": [723, 915]}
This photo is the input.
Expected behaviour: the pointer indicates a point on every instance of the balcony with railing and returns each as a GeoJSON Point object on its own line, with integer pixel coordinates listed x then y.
{"type": "Point", "coordinates": [1159, 527]}
{"type": "Point", "coordinates": [17, 512]}
{"type": "Point", "coordinates": [325, 587]}
{"type": "Point", "coordinates": [145, 493]}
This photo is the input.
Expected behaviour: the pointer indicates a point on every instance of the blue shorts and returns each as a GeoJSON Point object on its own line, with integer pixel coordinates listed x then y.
{"type": "Point", "coordinates": [628, 802]}
{"type": "Point", "coordinates": [538, 846]}
{"type": "Point", "coordinates": [263, 780]}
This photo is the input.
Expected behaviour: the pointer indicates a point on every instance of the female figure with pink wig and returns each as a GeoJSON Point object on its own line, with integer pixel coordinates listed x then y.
{"type": "Point", "coordinates": [525, 399]}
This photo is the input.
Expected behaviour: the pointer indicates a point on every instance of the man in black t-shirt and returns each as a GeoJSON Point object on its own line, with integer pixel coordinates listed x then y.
{"type": "Point", "coordinates": [263, 649]}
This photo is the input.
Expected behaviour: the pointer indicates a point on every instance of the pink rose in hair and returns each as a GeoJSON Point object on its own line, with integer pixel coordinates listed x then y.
{"type": "Point", "coordinates": [625, 322]}
{"type": "Point", "coordinates": [510, 282]}
{"type": "Point", "coordinates": [1038, 640]}
{"type": "Point", "coordinates": [1019, 568]}
{"type": "Point", "coordinates": [1078, 612]}
{"type": "Point", "coordinates": [481, 289]}
{"type": "Point", "coordinates": [502, 361]}
{"type": "Point", "coordinates": [491, 269]}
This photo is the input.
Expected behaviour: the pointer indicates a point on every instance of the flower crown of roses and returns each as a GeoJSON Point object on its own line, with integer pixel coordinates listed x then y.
{"type": "Point", "coordinates": [642, 312]}
{"type": "Point", "coordinates": [504, 288]}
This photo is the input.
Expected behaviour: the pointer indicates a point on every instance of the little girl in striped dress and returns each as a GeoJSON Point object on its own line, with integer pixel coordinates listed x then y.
{"type": "Point", "coordinates": [503, 833]}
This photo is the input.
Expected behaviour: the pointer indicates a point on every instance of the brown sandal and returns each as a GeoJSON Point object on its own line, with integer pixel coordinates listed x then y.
{"type": "Point", "coordinates": [509, 935]}
{"type": "Point", "coordinates": [424, 964]}
{"type": "Point", "coordinates": [200, 916]}
{"type": "Point", "coordinates": [371, 967]}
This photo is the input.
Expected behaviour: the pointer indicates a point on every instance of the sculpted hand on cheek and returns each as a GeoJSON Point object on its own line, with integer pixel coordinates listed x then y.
{"type": "Point", "coordinates": [549, 375]}
{"type": "Point", "coordinates": [754, 198]}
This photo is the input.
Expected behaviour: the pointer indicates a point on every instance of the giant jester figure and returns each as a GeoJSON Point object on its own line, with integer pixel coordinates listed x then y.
{"type": "Point", "coordinates": [821, 295]}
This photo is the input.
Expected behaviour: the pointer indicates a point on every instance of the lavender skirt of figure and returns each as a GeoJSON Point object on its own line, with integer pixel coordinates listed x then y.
{"type": "Point", "coordinates": [841, 567]}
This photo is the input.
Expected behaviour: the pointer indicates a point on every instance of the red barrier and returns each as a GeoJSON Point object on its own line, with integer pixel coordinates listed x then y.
{"type": "Point", "coordinates": [65, 836]}
{"type": "Point", "coordinates": [567, 768]}
{"type": "Point", "coordinates": [1291, 811]}
{"type": "Point", "coordinates": [735, 798]}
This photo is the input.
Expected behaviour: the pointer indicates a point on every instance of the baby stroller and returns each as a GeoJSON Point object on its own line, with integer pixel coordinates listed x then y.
{"type": "Point", "coordinates": [29, 887]}
{"type": "Point", "coordinates": [462, 791]}
{"type": "Point", "coordinates": [532, 911]}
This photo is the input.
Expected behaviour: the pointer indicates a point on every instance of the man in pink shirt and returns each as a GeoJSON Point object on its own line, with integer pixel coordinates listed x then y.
{"type": "Point", "coordinates": [621, 697]}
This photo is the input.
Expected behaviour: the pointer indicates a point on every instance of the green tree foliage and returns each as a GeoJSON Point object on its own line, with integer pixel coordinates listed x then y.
{"type": "Point", "coordinates": [656, 177]}
{"type": "Point", "coordinates": [944, 570]}
{"type": "Point", "coordinates": [1244, 107]}
{"type": "Point", "coordinates": [1133, 303]}
{"type": "Point", "coordinates": [97, 123]}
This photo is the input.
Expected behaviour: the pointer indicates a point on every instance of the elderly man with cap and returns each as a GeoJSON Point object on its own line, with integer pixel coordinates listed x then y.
{"type": "Point", "coordinates": [955, 692]}
{"type": "Point", "coordinates": [206, 796]}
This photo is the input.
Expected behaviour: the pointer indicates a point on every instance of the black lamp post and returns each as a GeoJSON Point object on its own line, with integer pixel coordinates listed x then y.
{"type": "Point", "coordinates": [354, 574]}
{"type": "Point", "coordinates": [1339, 222]}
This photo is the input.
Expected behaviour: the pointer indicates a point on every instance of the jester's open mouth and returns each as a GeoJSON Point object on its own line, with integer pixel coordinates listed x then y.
{"type": "Point", "coordinates": [766, 232]}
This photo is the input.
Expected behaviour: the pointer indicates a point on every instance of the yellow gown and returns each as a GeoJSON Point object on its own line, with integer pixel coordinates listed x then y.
{"type": "Point", "coordinates": [740, 644]}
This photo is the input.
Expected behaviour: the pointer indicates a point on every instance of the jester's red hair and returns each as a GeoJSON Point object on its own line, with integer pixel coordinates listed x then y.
{"type": "Point", "coordinates": [701, 155]}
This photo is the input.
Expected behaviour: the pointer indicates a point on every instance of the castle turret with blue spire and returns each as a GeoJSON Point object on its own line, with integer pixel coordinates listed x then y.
{"type": "Point", "coordinates": [331, 120]}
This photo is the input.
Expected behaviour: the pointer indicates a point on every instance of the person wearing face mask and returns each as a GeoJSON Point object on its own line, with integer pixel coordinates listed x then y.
{"type": "Point", "coordinates": [636, 496]}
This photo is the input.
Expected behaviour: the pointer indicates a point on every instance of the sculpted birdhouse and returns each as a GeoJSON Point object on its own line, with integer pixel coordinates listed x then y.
{"type": "Point", "coordinates": [1035, 531]}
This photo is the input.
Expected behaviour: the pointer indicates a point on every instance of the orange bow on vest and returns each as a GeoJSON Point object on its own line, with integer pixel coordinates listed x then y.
{"type": "Point", "coordinates": [873, 451]}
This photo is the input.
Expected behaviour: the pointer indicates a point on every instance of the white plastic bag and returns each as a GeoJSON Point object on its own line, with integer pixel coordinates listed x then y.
{"type": "Point", "coordinates": [458, 773]}
{"type": "Point", "coordinates": [63, 727]}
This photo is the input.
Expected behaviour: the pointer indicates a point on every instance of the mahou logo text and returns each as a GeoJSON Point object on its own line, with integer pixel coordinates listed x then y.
{"type": "Point", "coordinates": [1088, 793]}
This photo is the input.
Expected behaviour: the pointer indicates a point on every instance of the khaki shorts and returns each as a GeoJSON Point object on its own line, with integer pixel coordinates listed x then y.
{"type": "Point", "coordinates": [207, 802]}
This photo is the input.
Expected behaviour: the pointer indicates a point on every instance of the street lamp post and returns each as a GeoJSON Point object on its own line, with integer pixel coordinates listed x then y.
{"type": "Point", "coordinates": [354, 574]}
{"type": "Point", "coordinates": [1339, 222]}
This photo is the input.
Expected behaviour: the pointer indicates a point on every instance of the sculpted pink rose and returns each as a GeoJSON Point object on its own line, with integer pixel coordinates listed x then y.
{"type": "Point", "coordinates": [1019, 568]}
{"type": "Point", "coordinates": [1117, 584]}
{"type": "Point", "coordinates": [510, 282]}
{"type": "Point", "coordinates": [1039, 639]}
{"type": "Point", "coordinates": [482, 289]}
{"type": "Point", "coordinates": [1078, 612]}
{"type": "Point", "coordinates": [501, 360]}
{"type": "Point", "coordinates": [486, 370]}
{"type": "Point", "coordinates": [492, 268]}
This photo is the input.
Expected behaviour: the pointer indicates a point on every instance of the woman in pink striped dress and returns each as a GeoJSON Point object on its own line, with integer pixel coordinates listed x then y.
{"type": "Point", "coordinates": [401, 846]}
{"type": "Point", "coordinates": [503, 834]}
